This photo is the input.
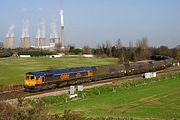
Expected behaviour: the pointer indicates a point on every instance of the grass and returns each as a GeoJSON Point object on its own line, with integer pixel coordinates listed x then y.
{"type": "Point", "coordinates": [12, 70]}
{"type": "Point", "coordinates": [150, 98]}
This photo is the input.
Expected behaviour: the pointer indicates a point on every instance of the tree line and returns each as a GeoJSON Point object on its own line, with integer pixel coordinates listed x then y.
{"type": "Point", "coordinates": [133, 52]}
{"type": "Point", "coordinates": [137, 52]}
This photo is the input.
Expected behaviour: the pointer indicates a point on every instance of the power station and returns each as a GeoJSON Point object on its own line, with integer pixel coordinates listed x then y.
{"type": "Point", "coordinates": [55, 42]}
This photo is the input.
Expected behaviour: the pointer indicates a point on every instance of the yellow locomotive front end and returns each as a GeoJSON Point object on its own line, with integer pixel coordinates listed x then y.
{"type": "Point", "coordinates": [32, 81]}
{"type": "Point", "coordinates": [29, 82]}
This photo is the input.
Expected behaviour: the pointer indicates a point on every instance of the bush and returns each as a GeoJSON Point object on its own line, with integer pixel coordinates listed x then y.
{"type": "Point", "coordinates": [68, 115]}
{"type": "Point", "coordinates": [7, 111]}
{"type": "Point", "coordinates": [35, 53]}
{"type": "Point", "coordinates": [5, 53]}
{"type": "Point", "coordinates": [23, 111]}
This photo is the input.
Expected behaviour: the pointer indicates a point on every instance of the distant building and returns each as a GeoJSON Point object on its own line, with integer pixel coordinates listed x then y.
{"type": "Point", "coordinates": [56, 56]}
{"type": "Point", "coordinates": [24, 56]}
{"type": "Point", "coordinates": [56, 41]}
{"type": "Point", "coordinates": [88, 55]}
{"type": "Point", "coordinates": [50, 46]}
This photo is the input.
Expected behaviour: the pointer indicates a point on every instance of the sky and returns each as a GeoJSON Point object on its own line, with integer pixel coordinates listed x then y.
{"type": "Point", "coordinates": [92, 22]}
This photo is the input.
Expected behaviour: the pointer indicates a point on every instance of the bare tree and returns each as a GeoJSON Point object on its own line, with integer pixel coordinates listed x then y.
{"type": "Point", "coordinates": [142, 49]}
{"type": "Point", "coordinates": [118, 47]}
{"type": "Point", "coordinates": [131, 44]}
{"type": "Point", "coordinates": [98, 49]}
{"type": "Point", "coordinates": [132, 53]}
{"type": "Point", "coordinates": [108, 48]}
{"type": "Point", "coordinates": [120, 51]}
{"type": "Point", "coordinates": [118, 44]}
{"type": "Point", "coordinates": [104, 49]}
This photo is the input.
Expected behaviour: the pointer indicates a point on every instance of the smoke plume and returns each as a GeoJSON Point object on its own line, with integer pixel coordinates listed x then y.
{"type": "Point", "coordinates": [11, 31]}
{"type": "Point", "coordinates": [41, 26]}
{"type": "Point", "coordinates": [54, 31]}
{"type": "Point", "coordinates": [25, 29]}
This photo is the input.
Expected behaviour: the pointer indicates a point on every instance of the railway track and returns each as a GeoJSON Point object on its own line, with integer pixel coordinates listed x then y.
{"type": "Point", "coordinates": [8, 95]}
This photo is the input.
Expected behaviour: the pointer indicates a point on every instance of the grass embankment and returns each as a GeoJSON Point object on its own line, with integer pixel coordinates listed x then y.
{"type": "Point", "coordinates": [147, 98]}
{"type": "Point", "coordinates": [12, 70]}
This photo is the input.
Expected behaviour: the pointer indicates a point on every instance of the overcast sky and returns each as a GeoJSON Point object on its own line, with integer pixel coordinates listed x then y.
{"type": "Point", "coordinates": [89, 22]}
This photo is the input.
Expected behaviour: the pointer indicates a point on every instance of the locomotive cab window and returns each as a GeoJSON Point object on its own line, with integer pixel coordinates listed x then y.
{"type": "Point", "coordinates": [31, 77]}
{"type": "Point", "coordinates": [37, 78]}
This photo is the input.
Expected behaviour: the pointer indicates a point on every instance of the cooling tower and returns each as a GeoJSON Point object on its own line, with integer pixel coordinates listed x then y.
{"type": "Point", "coordinates": [25, 42]}
{"type": "Point", "coordinates": [39, 42]}
{"type": "Point", "coordinates": [10, 42]}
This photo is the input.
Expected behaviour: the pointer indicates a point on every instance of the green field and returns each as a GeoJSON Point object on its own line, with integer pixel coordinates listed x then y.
{"type": "Point", "coordinates": [12, 70]}
{"type": "Point", "coordinates": [148, 98]}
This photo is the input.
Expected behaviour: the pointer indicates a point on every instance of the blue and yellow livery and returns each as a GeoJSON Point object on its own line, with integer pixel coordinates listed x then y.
{"type": "Point", "coordinates": [54, 78]}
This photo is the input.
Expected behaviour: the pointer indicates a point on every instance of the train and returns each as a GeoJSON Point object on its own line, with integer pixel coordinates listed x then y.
{"type": "Point", "coordinates": [50, 79]}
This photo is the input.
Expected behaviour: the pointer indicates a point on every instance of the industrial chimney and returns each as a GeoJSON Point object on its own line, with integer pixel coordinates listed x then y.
{"type": "Point", "coordinates": [62, 29]}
